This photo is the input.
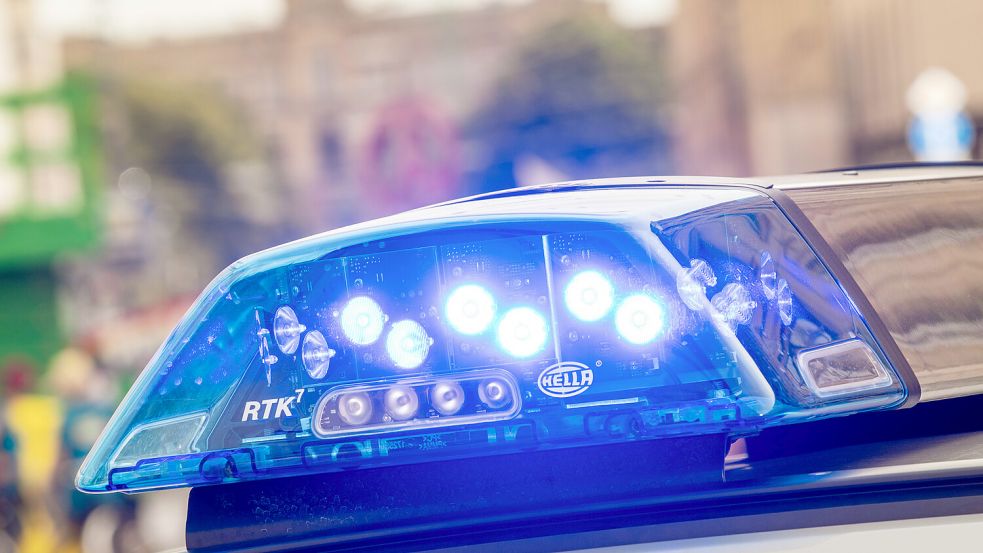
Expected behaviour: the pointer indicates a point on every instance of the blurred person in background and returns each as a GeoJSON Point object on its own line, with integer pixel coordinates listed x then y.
{"type": "Point", "coordinates": [10, 499]}
{"type": "Point", "coordinates": [16, 378]}
{"type": "Point", "coordinates": [88, 396]}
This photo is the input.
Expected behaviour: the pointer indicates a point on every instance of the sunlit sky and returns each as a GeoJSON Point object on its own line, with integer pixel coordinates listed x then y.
{"type": "Point", "coordinates": [140, 20]}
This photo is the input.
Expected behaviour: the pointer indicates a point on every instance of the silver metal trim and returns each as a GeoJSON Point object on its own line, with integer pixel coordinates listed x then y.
{"type": "Point", "coordinates": [914, 247]}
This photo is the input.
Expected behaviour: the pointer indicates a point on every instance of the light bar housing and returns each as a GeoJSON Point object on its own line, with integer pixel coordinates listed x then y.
{"type": "Point", "coordinates": [605, 314]}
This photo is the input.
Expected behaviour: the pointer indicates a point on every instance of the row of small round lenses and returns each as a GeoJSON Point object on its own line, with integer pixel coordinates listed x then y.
{"type": "Point", "coordinates": [402, 403]}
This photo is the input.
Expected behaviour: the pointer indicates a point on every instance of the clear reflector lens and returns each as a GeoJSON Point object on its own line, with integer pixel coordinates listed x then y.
{"type": "Point", "coordinates": [408, 344]}
{"type": "Point", "coordinates": [589, 296]}
{"type": "Point", "coordinates": [768, 276]}
{"type": "Point", "coordinates": [783, 298]}
{"type": "Point", "coordinates": [470, 309]}
{"type": "Point", "coordinates": [287, 330]}
{"type": "Point", "coordinates": [522, 332]}
{"type": "Point", "coordinates": [494, 393]}
{"type": "Point", "coordinates": [447, 397]}
{"type": "Point", "coordinates": [692, 283]}
{"type": "Point", "coordinates": [401, 402]}
{"type": "Point", "coordinates": [842, 368]}
{"type": "Point", "coordinates": [316, 355]}
{"type": "Point", "coordinates": [362, 320]}
{"type": "Point", "coordinates": [640, 319]}
{"type": "Point", "coordinates": [355, 408]}
{"type": "Point", "coordinates": [734, 305]}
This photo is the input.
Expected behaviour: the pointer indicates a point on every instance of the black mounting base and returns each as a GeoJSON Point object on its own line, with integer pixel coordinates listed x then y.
{"type": "Point", "coordinates": [446, 503]}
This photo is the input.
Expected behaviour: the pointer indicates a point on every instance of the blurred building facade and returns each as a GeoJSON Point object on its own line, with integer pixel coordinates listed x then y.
{"type": "Point", "coordinates": [347, 99]}
{"type": "Point", "coordinates": [779, 87]}
{"type": "Point", "coordinates": [363, 114]}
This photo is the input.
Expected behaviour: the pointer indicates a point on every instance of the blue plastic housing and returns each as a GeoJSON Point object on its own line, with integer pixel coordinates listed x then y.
{"type": "Point", "coordinates": [495, 325]}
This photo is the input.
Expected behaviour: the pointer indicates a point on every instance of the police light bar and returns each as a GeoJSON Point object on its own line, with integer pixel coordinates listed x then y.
{"type": "Point", "coordinates": [540, 318]}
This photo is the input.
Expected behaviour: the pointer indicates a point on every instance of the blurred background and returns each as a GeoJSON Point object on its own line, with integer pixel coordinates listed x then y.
{"type": "Point", "coordinates": [144, 146]}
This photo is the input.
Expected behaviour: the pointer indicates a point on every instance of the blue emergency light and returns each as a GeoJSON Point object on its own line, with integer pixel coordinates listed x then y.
{"type": "Point", "coordinates": [512, 322]}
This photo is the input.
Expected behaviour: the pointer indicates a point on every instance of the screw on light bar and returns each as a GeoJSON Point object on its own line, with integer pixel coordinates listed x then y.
{"type": "Point", "coordinates": [421, 402]}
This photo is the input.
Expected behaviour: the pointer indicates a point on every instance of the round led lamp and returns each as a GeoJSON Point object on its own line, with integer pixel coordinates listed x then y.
{"type": "Point", "coordinates": [408, 344]}
{"type": "Point", "coordinates": [522, 332]}
{"type": "Point", "coordinates": [470, 309]}
{"type": "Point", "coordinates": [362, 320]}
{"type": "Point", "coordinates": [640, 319]}
{"type": "Point", "coordinates": [589, 296]}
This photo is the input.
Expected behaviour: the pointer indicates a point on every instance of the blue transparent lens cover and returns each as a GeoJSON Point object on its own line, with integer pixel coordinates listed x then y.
{"type": "Point", "coordinates": [494, 325]}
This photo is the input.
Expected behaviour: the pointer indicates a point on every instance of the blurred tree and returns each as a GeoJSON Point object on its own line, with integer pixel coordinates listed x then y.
{"type": "Point", "coordinates": [582, 100]}
{"type": "Point", "coordinates": [191, 140]}
{"type": "Point", "coordinates": [192, 187]}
